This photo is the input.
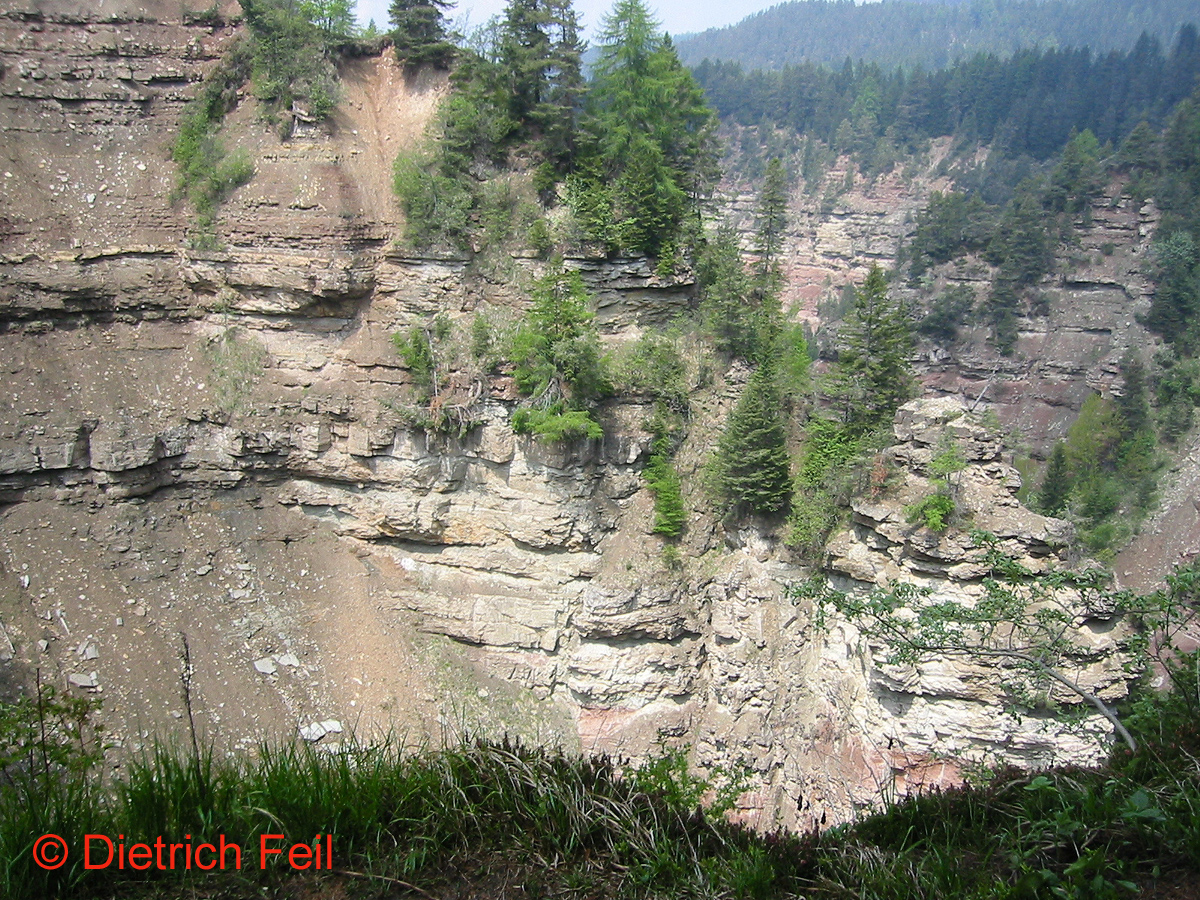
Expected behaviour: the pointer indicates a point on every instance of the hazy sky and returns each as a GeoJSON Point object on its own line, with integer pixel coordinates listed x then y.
{"type": "Point", "coordinates": [677, 16]}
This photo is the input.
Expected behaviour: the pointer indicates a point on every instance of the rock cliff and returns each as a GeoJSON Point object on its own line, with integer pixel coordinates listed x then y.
{"type": "Point", "coordinates": [212, 447]}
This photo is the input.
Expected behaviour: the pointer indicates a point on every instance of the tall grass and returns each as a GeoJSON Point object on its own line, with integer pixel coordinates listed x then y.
{"type": "Point", "coordinates": [456, 820]}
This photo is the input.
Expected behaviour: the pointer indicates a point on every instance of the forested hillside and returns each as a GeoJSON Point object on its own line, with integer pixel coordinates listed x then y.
{"type": "Point", "coordinates": [1024, 105]}
{"type": "Point", "coordinates": [931, 34]}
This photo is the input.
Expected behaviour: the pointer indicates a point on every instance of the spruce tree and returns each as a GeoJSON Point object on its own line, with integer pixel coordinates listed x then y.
{"type": "Point", "coordinates": [1056, 485]}
{"type": "Point", "coordinates": [770, 226]}
{"type": "Point", "coordinates": [419, 33]}
{"type": "Point", "coordinates": [650, 132]}
{"type": "Point", "coordinates": [669, 513]}
{"type": "Point", "coordinates": [724, 289]}
{"type": "Point", "coordinates": [541, 52]}
{"type": "Point", "coordinates": [752, 453]}
{"type": "Point", "coordinates": [873, 376]}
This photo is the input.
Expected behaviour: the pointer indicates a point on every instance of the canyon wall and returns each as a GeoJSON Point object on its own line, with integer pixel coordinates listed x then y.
{"type": "Point", "coordinates": [213, 447]}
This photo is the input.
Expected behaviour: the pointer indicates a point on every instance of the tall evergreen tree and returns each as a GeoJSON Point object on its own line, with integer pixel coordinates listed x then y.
{"type": "Point", "coordinates": [1056, 485]}
{"type": "Point", "coordinates": [752, 453]}
{"type": "Point", "coordinates": [724, 289]}
{"type": "Point", "coordinates": [873, 376]}
{"type": "Point", "coordinates": [650, 132]}
{"type": "Point", "coordinates": [419, 33]}
{"type": "Point", "coordinates": [541, 52]}
{"type": "Point", "coordinates": [770, 226]}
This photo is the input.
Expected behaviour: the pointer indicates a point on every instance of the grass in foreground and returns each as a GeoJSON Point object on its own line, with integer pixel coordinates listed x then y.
{"type": "Point", "coordinates": [496, 820]}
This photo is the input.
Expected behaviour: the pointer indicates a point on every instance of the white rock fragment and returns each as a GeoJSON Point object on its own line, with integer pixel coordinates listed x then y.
{"type": "Point", "coordinates": [266, 666]}
{"type": "Point", "coordinates": [312, 732]}
{"type": "Point", "coordinates": [84, 681]}
{"type": "Point", "coordinates": [288, 659]}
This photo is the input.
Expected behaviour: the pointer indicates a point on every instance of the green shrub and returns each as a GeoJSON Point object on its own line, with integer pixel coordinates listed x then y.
{"type": "Point", "coordinates": [934, 511]}
{"type": "Point", "coordinates": [436, 208]}
{"type": "Point", "coordinates": [555, 424]}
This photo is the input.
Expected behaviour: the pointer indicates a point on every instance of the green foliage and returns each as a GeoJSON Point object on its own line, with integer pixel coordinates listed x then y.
{"type": "Point", "coordinates": [417, 351]}
{"type": "Point", "coordinates": [541, 53]}
{"type": "Point", "coordinates": [419, 33]}
{"type": "Point", "coordinates": [770, 227]}
{"type": "Point", "coordinates": [947, 313]}
{"type": "Point", "coordinates": [725, 289]}
{"type": "Point", "coordinates": [814, 514]}
{"type": "Point", "coordinates": [752, 459]}
{"type": "Point", "coordinates": [934, 511]}
{"type": "Point", "coordinates": [1030, 626]}
{"type": "Point", "coordinates": [1078, 178]}
{"type": "Point", "coordinates": [293, 45]}
{"type": "Point", "coordinates": [925, 37]}
{"type": "Point", "coordinates": [558, 364]}
{"type": "Point", "coordinates": [207, 174]}
{"type": "Point", "coordinates": [1103, 475]}
{"type": "Point", "coordinates": [873, 376]}
{"type": "Point", "coordinates": [556, 424]}
{"type": "Point", "coordinates": [333, 17]}
{"type": "Point", "coordinates": [654, 367]}
{"type": "Point", "coordinates": [456, 819]}
{"type": "Point", "coordinates": [557, 349]}
{"type": "Point", "coordinates": [649, 137]}
{"type": "Point", "coordinates": [950, 226]}
{"type": "Point", "coordinates": [1173, 313]}
{"type": "Point", "coordinates": [1056, 485]}
{"type": "Point", "coordinates": [670, 516]}
{"type": "Point", "coordinates": [436, 207]}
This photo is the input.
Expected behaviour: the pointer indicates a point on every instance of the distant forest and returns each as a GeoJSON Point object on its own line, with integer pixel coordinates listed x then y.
{"type": "Point", "coordinates": [1028, 104]}
{"type": "Point", "coordinates": [931, 34]}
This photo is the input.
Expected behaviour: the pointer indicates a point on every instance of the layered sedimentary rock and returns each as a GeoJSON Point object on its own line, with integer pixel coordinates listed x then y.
{"type": "Point", "coordinates": [216, 447]}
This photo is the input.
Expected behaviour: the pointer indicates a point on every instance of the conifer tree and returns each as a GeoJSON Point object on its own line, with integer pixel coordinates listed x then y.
{"type": "Point", "coordinates": [541, 52]}
{"type": "Point", "coordinates": [650, 132]}
{"type": "Point", "coordinates": [770, 226]}
{"type": "Point", "coordinates": [752, 454]}
{"type": "Point", "coordinates": [1056, 485]}
{"type": "Point", "coordinates": [419, 33]}
{"type": "Point", "coordinates": [724, 288]}
{"type": "Point", "coordinates": [669, 513]}
{"type": "Point", "coordinates": [873, 376]}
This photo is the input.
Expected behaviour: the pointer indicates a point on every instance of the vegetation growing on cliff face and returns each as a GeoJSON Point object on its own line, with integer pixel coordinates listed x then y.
{"type": "Point", "coordinates": [559, 365]}
{"type": "Point", "coordinates": [293, 46]}
{"type": "Point", "coordinates": [458, 821]}
{"type": "Point", "coordinates": [288, 58]}
{"type": "Point", "coordinates": [630, 152]}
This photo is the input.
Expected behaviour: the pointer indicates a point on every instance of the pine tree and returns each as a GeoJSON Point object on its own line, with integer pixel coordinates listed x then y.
{"type": "Point", "coordinates": [1056, 485]}
{"type": "Point", "coordinates": [873, 376]}
{"type": "Point", "coordinates": [419, 33]}
{"type": "Point", "coordinates": [650, 132]}
{"type": "Point", "coordinates": [752, 454]}
{"type": "Point", "coordinates": [541, 52]}
{"type": "Point", "coordinates": [770, 227]}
